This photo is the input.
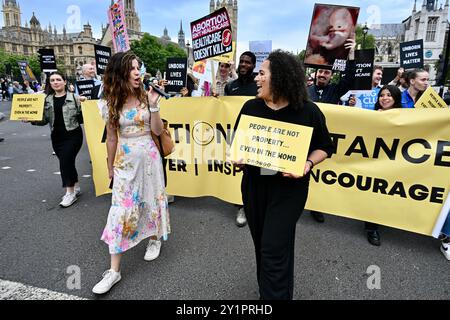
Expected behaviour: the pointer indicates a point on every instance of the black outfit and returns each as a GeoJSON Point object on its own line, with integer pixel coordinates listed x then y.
{"type": "Point", "coordinates": [4, 88]}
{"type": "Point", "coordinates": [273, 203]}
{"type": "Point", "coordinates": [66, 145]}
{"type": "Point", "coordinates": [333, 92]}
{"type": "Point", "coordinates": [244, 86]}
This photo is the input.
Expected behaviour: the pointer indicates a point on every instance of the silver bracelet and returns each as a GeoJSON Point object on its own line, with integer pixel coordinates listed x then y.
{"type": "Point", "coordinates": [153, 110]}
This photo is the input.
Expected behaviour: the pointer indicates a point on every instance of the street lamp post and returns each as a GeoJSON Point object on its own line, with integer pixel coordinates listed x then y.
{"type": "Point", "coordinates": [365, 30]}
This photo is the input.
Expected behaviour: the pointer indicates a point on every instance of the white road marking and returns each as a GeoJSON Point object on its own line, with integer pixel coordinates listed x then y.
{"type": "Point", "coordinates": [31, 170]}
{"type": "Point", "coordinates": [17, 291]}
{"type": "Point", "coordinates": [86, 176]}
{"type": "Point", "coordinates": [6, 168]}
{"type": "Point", "coordinates": [57, 173]}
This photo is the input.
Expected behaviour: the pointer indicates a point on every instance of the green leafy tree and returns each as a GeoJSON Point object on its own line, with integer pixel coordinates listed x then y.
{"type": "Point", "coordinates": [302, 55]}
{"type": "Point", "coordinates": [12, 59]}
{"type": "Point", "coordinates": [154, 54]}
{"type": "Point", "coordinates": [370, 39]}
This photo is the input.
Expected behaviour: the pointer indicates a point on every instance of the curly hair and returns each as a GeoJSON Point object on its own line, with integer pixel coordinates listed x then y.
{"type": "Point", "coordinates": [288, 79]}
{"type": "Point", "coordinates": [116, 86]}
{"type": "Point", "coordinates": [396, 94]}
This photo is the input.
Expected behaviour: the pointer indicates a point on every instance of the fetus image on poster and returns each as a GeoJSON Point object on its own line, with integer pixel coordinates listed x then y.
{"type": "Point", "coordinates": [331, 27]}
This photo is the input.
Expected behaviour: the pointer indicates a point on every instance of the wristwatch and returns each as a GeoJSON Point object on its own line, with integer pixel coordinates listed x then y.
{"type": "Point", "coordinates": [154, 109]}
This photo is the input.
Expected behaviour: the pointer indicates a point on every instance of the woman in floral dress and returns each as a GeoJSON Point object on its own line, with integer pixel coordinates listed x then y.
{"type": "Point", "coordinates": [139, 207]}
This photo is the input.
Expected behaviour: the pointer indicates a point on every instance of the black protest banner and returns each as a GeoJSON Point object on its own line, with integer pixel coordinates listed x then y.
{"type": "Point", "coordinates": [331, 27]}
{"type": "Point", "coordinates": [176, 74]}
{"type": "Point", "coordinates": [47, 60]}
{"type": "Point", "coordinates": [212, 35]}
{"type": "Point", "coordinates": [26, 72]}
{"type": "Point", "coordinates": [102, 55]}
{"type": "Point", "coordinates": [411, 54]}
{"type": "Point", "coordinates": [364, 69]}
{"type": "Point", "coordinates": [85, 88]}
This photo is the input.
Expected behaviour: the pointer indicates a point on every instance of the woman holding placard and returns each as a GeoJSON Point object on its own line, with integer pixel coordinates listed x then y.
{"type": "Point", "coordinates": [61, 112]}
{"type": "Point", "coordinates": [274, 201]}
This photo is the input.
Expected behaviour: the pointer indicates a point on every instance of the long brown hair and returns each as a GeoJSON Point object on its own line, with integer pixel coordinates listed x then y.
{"type": "Point", "coordinates": [116, 86]}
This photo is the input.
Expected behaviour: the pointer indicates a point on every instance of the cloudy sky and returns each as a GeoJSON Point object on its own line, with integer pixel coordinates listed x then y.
{"type": "Point", "coordinates": [285, 22]}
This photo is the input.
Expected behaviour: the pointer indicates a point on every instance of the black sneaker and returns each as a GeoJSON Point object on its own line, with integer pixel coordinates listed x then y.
{"type": "Point", "coordinates": [374, 238]}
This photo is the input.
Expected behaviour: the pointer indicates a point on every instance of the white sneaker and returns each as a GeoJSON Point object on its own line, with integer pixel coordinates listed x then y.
{"type": "Point", "coordinates": [68, 200]}
{"type": "Point", "coordinates": [77, 191]}
{"type": "Point", "coordinates": [110, 278]}
{"type": "Point", "coordinates": [241, 220]}
{"type": "Point", "coordinates": [445, 249]}
{"type": "Point", "coordinates": [153, 250]}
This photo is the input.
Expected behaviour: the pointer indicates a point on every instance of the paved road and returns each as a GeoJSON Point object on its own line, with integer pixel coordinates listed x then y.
{"type": "Point", "coordinates": [206, 257]}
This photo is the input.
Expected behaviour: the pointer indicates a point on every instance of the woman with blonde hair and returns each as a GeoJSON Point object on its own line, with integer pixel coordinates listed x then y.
{"type": "Point", "coordinates": [139, 207]}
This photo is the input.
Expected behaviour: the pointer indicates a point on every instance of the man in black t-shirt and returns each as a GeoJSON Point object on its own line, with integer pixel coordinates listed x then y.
{"type": "Point", "coordinates": [244, 85]}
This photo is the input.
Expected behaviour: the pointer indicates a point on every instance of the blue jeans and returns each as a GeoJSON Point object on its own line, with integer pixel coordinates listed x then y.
{"type": "Point", "coordinates": [446, 227]}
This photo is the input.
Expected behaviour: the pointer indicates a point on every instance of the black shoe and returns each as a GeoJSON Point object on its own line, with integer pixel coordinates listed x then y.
{"type": "Point", "coordinates": [374, 238]}
{"type": "Point", "coordinates": [318, 216]}
{"type": "Point", "coordinates": [2, 139]}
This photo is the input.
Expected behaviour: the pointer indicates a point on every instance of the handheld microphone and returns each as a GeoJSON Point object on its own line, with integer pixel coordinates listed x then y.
{"type": "Point", "coordinates": [159, 91]}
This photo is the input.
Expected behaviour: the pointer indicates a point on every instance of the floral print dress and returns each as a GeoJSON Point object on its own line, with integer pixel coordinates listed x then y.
{"type": "Point", "coordinates": [139, 206]}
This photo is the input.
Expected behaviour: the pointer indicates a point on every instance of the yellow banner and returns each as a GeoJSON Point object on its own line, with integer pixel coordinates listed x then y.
{"type": "Point", "coordinates": [390, 168]}
{"type": "Point", "coordinates": [272, 145]}
{"type": "Point", "coordinates": [27, 107]}
{"type": "Point", "coordinates": [430, 99]}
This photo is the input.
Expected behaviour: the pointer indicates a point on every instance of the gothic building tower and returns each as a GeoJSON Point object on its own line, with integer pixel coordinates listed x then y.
{"type": "Point", "coordinates": [181, 37]}
{"type": "Point", "coordinates": [132, 19]}
{"type": "Point", "coordinates": [11, 13]}
{"type": "Point", "coordinates": [430, 24]}
{"type": "Point", "coordinates": [232, 9]}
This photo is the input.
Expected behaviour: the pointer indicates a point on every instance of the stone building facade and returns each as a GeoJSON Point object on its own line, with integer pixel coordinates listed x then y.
{"type": "Point", "coordinates": [430, 23]}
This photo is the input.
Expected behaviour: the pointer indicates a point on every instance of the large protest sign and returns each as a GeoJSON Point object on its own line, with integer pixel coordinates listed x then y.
{"type": "Point", "coordinates": [47, 60]}
{"type": "Point", "coordinates": [102, 55]}
{"type": "Point", "coordinates": [331, 27]}
{"type": "Point", "coordinates": [117, 22]}
{"type": "Point", "coordinates": [212, 35]}
{"type": "Point", "coordinates": [176, 74]}
{"type": "Point", "coordinates": [26, 72]}
{"type": "Point", "coordinates": [430, 99]}
{"type": "Point", "coordinates": [364, 69]}
{"type": "Point", "coordinates": [388, 165]}
{"type": "Point", "coordinates": [27, 107]}
{"type": "Point", "coordinates": [411, 54]}
{"type": "Point", "coordinates": [272, 145]}
{"type": "Point", "coordinates": [85, 88]}
{"type": "Point", "coordinates": [261, 49]}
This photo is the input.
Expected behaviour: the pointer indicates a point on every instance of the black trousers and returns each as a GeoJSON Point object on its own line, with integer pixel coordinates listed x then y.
{"type": "Point", "coordinates": [273, 206]}
{"type": "Point", "coordinates": [66, 146]}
